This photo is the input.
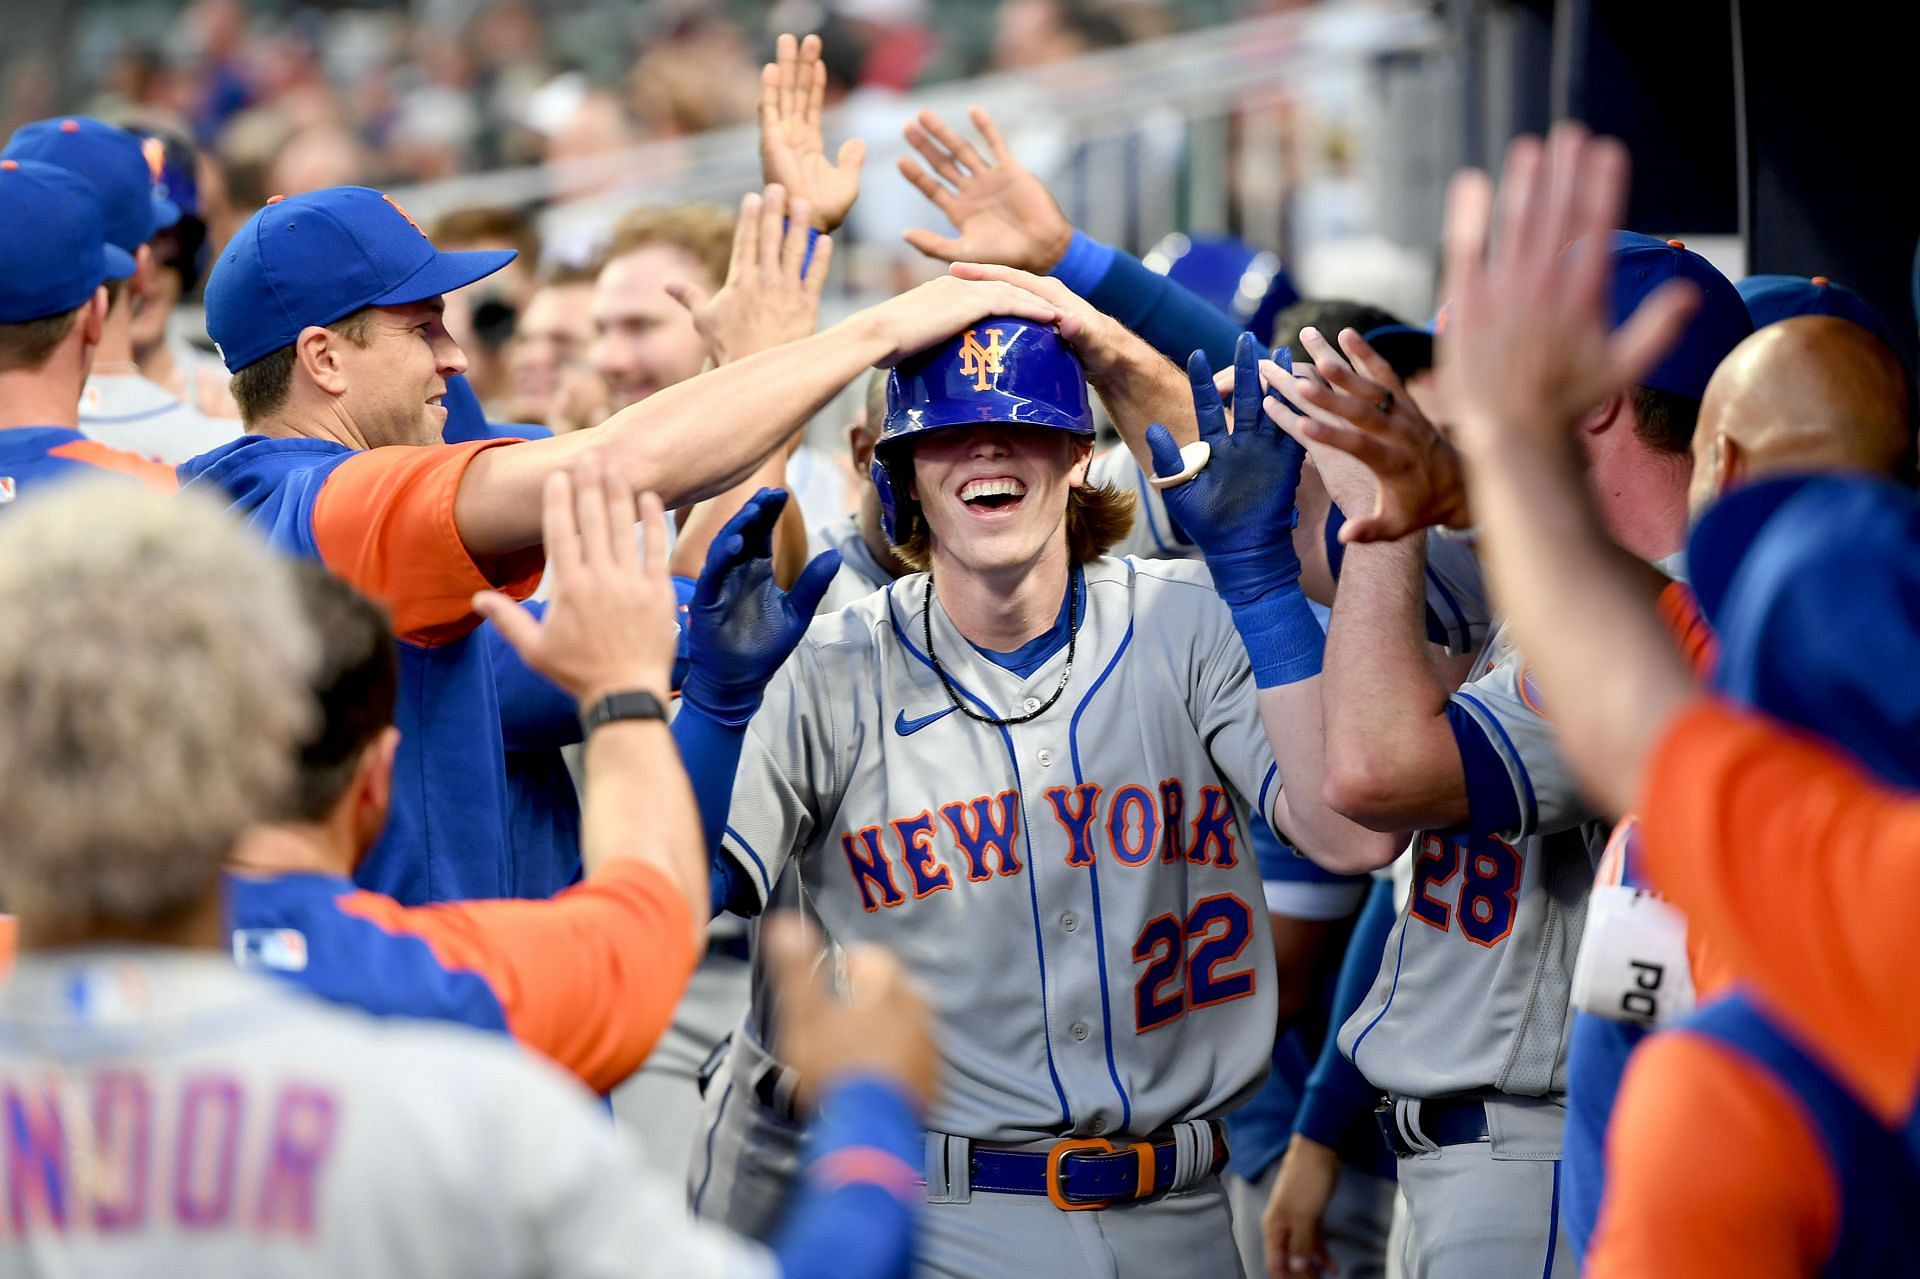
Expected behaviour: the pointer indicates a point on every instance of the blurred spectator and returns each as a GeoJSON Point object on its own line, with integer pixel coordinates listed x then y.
{"type": "Point", "coordinates": [551, 339]}
{"type": "Point", "coordinates": [482, 316]}
{"type": "Point", "coordinates": [643, 339]}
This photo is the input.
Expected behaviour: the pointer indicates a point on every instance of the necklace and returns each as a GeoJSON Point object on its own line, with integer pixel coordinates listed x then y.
{"type": "Point", "coordinates": [1073, 637]}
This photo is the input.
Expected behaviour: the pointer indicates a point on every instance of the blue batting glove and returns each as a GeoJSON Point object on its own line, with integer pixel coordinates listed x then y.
{"type": "Point", "coordinates": [741, 626]}
{"type": "Point", "coordinates": [1240, 509]}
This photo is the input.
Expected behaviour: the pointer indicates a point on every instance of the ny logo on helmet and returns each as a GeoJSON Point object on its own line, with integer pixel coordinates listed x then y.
{"type": "Point", "coordinates": [981, 362]}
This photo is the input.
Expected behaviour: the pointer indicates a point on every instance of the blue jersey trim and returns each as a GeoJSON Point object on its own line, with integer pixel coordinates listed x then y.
{"type": "Point", "coordinates": [747, 848]}
{"type": "Point", "coordinates": [1400, 953]}
{"type": "Point", "coordinates": [1093, 879]}
{"type": "Point", "coordinates": [117, 419]}
{"type": "Point", "coordinates": [1146, 508]}
{"type": "Point", "coordinates": [719, 1116]}
{"type": "Point", "coordinates": [1553, 1224]}
{"type": "Point", "coordinates": [1266, 809]}
{"type": "Point", "coordinates": [1033, 868]}
{"type": "Point", "coordinates": [1532, 814]}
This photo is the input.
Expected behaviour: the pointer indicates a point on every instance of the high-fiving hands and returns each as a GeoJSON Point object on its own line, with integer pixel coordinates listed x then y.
{"type": "Point", "coordinates": [1003, 213]}
{"type": "Point", "coordinates": [793, 152]}
{"type": "Point", "coordinates": [772, 291]}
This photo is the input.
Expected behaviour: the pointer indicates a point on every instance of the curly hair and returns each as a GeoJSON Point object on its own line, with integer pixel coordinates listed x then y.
{"type": "Point", "coordinates": [155, 686]}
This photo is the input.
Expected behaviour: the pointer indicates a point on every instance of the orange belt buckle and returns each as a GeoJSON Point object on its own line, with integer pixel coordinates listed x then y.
{"type": "Point", "coordinates": [1142, 1152]}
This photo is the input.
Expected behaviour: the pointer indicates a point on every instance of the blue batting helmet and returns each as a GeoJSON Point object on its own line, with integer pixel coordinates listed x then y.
{"type": "Point", "coordinates": [999, 370]}
{"type": "Point", "coordinates": [1247, 284]}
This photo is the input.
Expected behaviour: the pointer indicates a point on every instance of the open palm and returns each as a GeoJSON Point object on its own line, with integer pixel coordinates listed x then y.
{"type": "Point", "coordinates": [1004, 214]}
{"type": "Point", "coordinates": [793, 152]}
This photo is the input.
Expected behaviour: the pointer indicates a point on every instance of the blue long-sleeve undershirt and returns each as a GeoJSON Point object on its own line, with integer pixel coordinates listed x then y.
{"type": "Point", "coordinates": [1172, 319]}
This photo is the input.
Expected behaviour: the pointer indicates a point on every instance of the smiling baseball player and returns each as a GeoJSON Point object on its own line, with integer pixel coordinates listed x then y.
{"type": "Point", "coordinates": [1028, 767]}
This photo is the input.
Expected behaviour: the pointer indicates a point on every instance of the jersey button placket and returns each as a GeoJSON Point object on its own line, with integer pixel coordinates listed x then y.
{"type": "Point", "coordinates": [1078, 1030]}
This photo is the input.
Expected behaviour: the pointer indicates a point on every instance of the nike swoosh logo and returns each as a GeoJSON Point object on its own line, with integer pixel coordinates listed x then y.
{"type": "Point", "coordinates": [907, 727]}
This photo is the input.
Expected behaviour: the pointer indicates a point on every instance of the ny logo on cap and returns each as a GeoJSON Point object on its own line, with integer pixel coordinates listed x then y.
{"type": "Point", "coordinates": [403, 213]}
{"type": "Point", "coordinates": [981, 362]}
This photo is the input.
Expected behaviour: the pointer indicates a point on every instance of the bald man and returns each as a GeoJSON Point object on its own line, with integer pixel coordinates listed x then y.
{"type": "Point", "coordinates": [1809, 394]}
{"type": "Point", "coordinates": [1812, 393]}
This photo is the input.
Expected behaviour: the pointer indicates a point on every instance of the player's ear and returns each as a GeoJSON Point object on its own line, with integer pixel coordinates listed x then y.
{"type": "Point", "coordinates": [370, 795]}
{"type": "Point", "coordinates": [93, 318]}
{"type": "Point", "coordinates": [1082, 460]}
{"type": "Point", "coordinates": [141, 283]}
{"type": "Point", "coordinates": [1604, 414]}
{"type": "Point", "coordinates": [317, 352]}
{"type": "Point", "coordinates": [1730, 463]}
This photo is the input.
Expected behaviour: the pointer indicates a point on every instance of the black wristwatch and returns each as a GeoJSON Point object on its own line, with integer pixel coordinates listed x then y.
{"type": "Point", "coordinates": [629, 705]}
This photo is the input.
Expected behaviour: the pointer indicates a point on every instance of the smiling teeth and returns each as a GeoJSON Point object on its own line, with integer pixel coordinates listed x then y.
{"type": "Point", "coordinates": [992, 488]}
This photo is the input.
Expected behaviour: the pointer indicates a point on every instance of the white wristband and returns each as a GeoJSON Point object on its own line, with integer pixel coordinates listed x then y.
{"type": "Point", "coordinates": [1193, 460]}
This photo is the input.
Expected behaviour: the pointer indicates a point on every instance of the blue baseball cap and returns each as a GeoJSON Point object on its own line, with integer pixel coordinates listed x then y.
{"type": "Point", "coordinates": [1642, 264]}
{"type": "Point", "coordinates": [54, 253]}
{"type": "Point", "coordinates": [112, 159]}
{"type": "Point", "coordinates": [1407, 347]}
{"type": "Point", "coordinates": [1793, 563]}
{"type": "Point", "coordinates": [1244, 283]}
{"type": "Point", "coordinates": [1781, 297]}
{"type": "Point", "coordinates": [315, 258]}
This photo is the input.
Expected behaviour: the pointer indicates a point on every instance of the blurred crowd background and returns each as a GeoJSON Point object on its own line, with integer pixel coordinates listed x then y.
{"type": "Point", "coordinates": [1248, 117]}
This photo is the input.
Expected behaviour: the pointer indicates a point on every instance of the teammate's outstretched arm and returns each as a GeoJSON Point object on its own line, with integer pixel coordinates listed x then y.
{"type": "Point", "coordinates": [1393, 762]}
{"type": "Point", "coordinates": [609, 629]}
{"type": "Point", "coordinates": [1005, 215]}
{"type": "Point", "coordinates": [771, 297]}
{"type": "Point", "coordinates": [741, 627]}
{"type": "Point", "coordinates": [705, 434]}
{"type": "Point", "coordinates": [1529, 345]}
{"type": "Point", "coordinates": [1235, 498]}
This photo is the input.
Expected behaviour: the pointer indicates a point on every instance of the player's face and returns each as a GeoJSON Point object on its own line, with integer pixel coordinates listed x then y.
{"type": "Point", "coordinates": [995, 496]}
{"type": "Point", "coordinates": [643, 340]}
{"type": "Point", "coordinates": [396, 383]}
{"type": "Point", "coordinates": [553, 335]}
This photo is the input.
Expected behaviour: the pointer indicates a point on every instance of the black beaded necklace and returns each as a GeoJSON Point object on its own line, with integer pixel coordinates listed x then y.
{"type": "Point", "coordinates": [1073, 636]}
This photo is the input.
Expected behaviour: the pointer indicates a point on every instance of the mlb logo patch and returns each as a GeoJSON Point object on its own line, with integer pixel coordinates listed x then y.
{"type": "Point", "coordinates": [280, 950]}
{"type": "Point", "coordinates": [8, 489]}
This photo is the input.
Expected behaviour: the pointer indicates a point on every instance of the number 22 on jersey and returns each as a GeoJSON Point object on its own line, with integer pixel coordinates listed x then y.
{"type": "Point", "coordinates": [1173, 981]}
{"type": "Point", "coordinates": [1471, 885]}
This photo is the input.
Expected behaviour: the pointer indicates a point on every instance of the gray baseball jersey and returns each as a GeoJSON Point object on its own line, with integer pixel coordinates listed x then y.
{"type": "Point", "coordinates": [1076, 893]}
{"type": "Point", "coordinates": [1458, 615]}
{"type": "Point", "coordinates": [860, 573]}
{"type": "Point", "coordinates": [129, 412]}
{"type": "Point", "coordinates": [171, 1115]}
{"type": "Point", "coordinates": [1473, 986]}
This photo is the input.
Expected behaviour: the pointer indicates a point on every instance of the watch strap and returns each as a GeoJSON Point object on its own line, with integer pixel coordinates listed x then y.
{"type": "Point", "coordinates": [633, 704]}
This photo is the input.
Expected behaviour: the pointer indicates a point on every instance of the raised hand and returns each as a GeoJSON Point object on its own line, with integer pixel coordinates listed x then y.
{"type": "Point", "coordinates": [772, 292]}
{"type": "Point", "coordinates": [881, 1026]}
{"type": "Point", "coordinates": [740, 625]}
{"type": "Point", "coordinates": [1531, 344]}
{"type": "Point", "coordinates": [1375, 449]}
{"type": "Point", "coordinates": [1239, 507]}
{"type": "Point", "coordinates": [609, 627]}
{"type": "Point", "coordinates": [792, 151]}
{"type": "Point", "coordinates": [933, 312]}
{"type": "Point", "coordinates": [1002, 212]}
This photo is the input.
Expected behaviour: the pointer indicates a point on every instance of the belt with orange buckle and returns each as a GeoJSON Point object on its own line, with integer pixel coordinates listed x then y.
{"type": "Point", "coordinates": [1084, 1173]}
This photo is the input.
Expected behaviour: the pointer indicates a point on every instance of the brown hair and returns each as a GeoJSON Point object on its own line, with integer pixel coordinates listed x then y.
{"type": "Point", "coordinates": [1098, 515]}
{"type": "Point", "coordinates": [487, 224]}
{"type": "Point", "coordinates": [31, 344]}
{"type": "Point", "coordinates": [562, 274]}
{"type": "Point", "coordinates": [356, 684]}
{"type": "Point", "coordinates": [704, 232]}
{"type": "Point", "coordinates": [261, 388]}
{"type": "Point", "coordinates": [1663, 420]}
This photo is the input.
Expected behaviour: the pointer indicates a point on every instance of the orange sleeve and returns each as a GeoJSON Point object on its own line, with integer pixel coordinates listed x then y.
{"type": "Point", "coordinates": [1680, 610]}
{"type": "Point", "coordinates": [9, 942]}
{"type": "Point", "coordinates": [589, 978]}
{"type": "Point", "coordinates": [1766, 1207]}
{"type": "Point", "coordinates": [384, 522]}
{"type": "Point", "coordinates": [1800, 871]}
{"type": "Point", "coordinates": [155, 475]}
